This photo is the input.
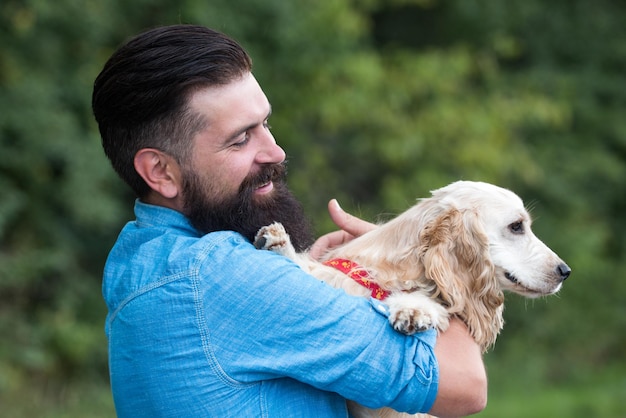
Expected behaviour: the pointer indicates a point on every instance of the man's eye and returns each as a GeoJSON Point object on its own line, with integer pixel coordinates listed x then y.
{"type": "Point", "coordinates": [517, 227]}
{"type": "Point", "coordinates": [267, 125]}
{"type": "Point", "coordinates": [245, 139]}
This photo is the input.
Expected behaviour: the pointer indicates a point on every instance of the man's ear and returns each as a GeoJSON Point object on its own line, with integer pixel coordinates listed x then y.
{"type": "Point", "coordinates": [160, 171]}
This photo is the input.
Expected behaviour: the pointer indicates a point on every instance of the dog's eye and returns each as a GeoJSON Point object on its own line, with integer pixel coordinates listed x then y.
{"type": "Point", "coordinates": [517, 227]}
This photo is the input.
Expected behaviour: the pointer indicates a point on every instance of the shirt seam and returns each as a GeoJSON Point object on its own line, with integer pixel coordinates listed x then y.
{"type": "Point", "coordinates": [203, 328]}
{"type": "Point", "coordinates": [143, 290]}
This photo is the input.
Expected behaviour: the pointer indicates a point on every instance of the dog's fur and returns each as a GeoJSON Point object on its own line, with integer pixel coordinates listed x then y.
{"type": "Point", "coordinates": [451, 254]}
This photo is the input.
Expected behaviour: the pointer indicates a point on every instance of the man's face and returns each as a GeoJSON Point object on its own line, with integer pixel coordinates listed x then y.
{"type": "Point", "coordinates": [236, 176]}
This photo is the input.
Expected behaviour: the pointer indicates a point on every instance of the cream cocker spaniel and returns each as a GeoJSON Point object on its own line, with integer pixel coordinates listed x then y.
{"type": "Point", "coordinates": [451, 254]}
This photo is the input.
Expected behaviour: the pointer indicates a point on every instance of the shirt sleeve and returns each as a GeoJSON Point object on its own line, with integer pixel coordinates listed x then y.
{"type": "Point", "coordinates": [266, 318]}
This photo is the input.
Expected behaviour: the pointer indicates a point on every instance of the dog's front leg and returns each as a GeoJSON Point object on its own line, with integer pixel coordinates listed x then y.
{"type": "Point", "coordinates": [411, 312]}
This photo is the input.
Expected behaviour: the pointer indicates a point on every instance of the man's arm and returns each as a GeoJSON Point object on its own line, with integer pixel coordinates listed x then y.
{"type": "Point", "coordinates": [462, 376]}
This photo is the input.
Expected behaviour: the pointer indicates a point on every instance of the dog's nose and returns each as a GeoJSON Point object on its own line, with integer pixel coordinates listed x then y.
{"type": "Point", "coordinates": [563, 271]}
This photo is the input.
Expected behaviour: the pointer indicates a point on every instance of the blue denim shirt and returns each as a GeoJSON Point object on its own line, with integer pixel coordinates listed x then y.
{"type": "Point", "coordinates": [208, 326]}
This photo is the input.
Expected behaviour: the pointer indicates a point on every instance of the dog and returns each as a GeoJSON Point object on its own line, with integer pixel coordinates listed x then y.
{"type": "Point", "coordinates": [452, 254]}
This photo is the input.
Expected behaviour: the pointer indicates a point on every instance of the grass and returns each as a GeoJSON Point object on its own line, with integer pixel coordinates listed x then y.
{"type": "Point", "coordinates": [568, 402]}
{"type": "Point", "coordinates": [603, 395]}
{"type": "Point", "coordinates": [78, 399]}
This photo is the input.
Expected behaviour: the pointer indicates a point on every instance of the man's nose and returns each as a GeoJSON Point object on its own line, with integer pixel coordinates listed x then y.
{"type": "Point", "coordinates": [270, 151]}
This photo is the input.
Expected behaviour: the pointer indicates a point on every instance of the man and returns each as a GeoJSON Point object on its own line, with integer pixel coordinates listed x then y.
{"type": "Point", "coordinates": [200, 323]}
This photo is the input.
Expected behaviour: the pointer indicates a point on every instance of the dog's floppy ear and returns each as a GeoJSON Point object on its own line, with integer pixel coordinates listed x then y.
{"type": "Point", "coordinates": [456, 258]}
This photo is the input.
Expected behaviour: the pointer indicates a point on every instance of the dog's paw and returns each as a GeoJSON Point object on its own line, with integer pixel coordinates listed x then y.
{"type": "Point", "coordinates": [411, 320]}
{"type": "Point", "coordinates": [414, 312]}
{"type": "Point", "coordinates": [274, 238]}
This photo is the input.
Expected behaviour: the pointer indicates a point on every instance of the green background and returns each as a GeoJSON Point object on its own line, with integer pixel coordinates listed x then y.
{"type": "Point", "coordinates": [376, 103]}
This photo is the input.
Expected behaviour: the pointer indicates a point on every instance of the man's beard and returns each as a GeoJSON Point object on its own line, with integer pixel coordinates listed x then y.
{"type": "Point", "coordinates": [245, 212]}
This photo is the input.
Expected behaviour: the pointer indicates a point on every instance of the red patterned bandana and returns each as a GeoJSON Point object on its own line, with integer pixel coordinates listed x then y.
{"type": "Point", "coordinates": [358, 274]}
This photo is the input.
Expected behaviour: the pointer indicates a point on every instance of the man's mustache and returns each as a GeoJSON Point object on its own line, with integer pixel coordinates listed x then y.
{"type": "Point", "coordinates": [270, 172]}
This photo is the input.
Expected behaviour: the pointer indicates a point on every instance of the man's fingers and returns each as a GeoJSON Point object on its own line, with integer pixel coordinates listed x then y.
{"type": "Point", "coordinates": [350, 225]}
{"type": "Point", "coordinates": [347, 222]}
{"type": "Point", "coordinates": [327, 242]}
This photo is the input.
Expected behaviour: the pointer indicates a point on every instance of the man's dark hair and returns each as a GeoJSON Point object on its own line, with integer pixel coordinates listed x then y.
{"type": "Point", "coordinates": [140, 99]}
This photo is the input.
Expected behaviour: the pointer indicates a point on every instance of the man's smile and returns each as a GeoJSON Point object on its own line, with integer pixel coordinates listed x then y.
{"type": "Point", "coordinates": [265, 188]}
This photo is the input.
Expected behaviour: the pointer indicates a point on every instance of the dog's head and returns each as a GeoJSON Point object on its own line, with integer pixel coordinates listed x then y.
{"type": "Point", "coordinates": [476, 242]}
{"type": "Point", "coordinates": [523, 264]}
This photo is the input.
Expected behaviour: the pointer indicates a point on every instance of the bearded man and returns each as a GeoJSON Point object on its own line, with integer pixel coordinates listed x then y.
{"type": "Point", "coordinates": [200, 323]}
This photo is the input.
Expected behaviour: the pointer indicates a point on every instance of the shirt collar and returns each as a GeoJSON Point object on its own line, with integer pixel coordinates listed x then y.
{"type": "Point", "coordinates": [160, 216]}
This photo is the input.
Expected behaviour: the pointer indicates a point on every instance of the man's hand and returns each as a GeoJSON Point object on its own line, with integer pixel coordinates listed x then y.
{"type": "Point", "coordinates": [350, 225]}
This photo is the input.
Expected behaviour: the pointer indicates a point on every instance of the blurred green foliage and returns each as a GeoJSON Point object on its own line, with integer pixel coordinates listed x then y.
{"type": "Point", "coordinates": [376, 103]}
